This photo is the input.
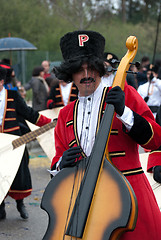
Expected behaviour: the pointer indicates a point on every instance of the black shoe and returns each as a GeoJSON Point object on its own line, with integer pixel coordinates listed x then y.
{"type": "Point", "coordinates": [22, 209]}
{"type": "Point", "coordinates": [2, 211]}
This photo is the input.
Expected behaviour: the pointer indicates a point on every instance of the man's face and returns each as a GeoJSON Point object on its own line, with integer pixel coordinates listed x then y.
{"type": "Point", "coordinates": [41, 74]}
{"type": "Point", "coordinates": [86, 80]}
{"type": "Point", "coordinates": [46, 66]}
{"type": "Point", "coordinates": [148, 74]}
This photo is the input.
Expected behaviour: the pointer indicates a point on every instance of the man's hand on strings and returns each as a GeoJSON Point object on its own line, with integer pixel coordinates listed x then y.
{"type": "Point", "coordinates": [116, 97]}
{"type": "Point", "coordinates": [69, 157]}
{"type": "Point", "coordinates": [157, 174]}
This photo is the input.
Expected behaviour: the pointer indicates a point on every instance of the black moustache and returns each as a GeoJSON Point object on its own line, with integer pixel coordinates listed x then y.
{"type": "Point", "coordinates": [87, 79]}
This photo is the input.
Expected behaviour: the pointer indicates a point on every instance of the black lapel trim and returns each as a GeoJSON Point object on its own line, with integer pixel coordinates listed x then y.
{"type": "Point", "coordinates": [114, 132]}
{"type": "Point", "coordinates": [69, 123]}
{"type": "Point", "coordinates": [101, 110]}
{"type": "Point", "coordinates": [134, 171]}
{"type": "Point", "coordinates": [75, 121]}
{"type": "Point", "coordinates": [117, 154]}
{"type": "Point", "coordinates": [72, 143]}
{"type": "Point", "coordinates": [75, 126]}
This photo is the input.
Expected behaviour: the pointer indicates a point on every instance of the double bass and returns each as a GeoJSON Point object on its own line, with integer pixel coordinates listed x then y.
{"type": "Point", "coordinates": [93, 200]}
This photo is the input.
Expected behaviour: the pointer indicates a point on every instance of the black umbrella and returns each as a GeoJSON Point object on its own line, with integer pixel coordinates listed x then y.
{"type": "Point", "coordinates": [13, 43]}
{"type": "Point", "coordinates": [16, 44]}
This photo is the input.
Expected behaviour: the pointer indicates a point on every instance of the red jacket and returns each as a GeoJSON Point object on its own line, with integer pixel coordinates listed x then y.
{"type": "Point", "coordinates": [123, 149]}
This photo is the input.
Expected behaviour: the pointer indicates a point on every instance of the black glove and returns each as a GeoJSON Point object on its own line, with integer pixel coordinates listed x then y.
{"type": "Point", "coordinates": [116, 97]}
{"type": "Point", "coordinates": [157, 174]}
{"type": "Point", "coordinates": [146, 98]}
{"type": "Point", "coordinates": [69, 157]}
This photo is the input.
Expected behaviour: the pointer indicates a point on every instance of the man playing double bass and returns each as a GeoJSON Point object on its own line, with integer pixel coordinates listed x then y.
{"type": "Point", "coordinates": [133, 124]}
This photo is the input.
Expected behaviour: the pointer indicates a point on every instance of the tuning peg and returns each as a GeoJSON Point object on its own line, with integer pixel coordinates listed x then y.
{"type": "Point", "coordinates": [131, 72]}
{"type": "Point", "coordinates": [115, 61]}
{"type": "Point", "coordinates": [110, 69]}
{"type": "Point", "coordinates": [137, 64]}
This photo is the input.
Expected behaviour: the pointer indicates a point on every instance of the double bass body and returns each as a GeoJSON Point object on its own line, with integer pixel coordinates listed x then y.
{"type": "Point", "coordinates": [111, 206]}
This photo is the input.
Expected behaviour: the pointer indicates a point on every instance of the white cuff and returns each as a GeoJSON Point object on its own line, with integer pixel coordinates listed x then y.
{"type": "Point", "coordinates": [127, 118]}
{"type": "Point", "coordinates": [54, 172]}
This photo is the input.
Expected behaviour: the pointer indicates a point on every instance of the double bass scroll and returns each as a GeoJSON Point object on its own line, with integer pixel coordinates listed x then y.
{"type": "Point", "coordinates": [101, 205]}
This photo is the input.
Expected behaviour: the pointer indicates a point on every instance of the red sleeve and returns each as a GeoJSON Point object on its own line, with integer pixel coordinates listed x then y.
{"type": "Point", "coordinates": [154, 159]}
{"type": "Point", "coordinates": [60, 138]}
{"type": "Point", "coordinates": [42, 120]}
{"type": "Point", "coordinates": [49, 102]}
{"type": "Point", "coordinates": [136, 103]}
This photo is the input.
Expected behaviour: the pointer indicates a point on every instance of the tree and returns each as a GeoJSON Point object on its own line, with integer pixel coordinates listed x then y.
{"type": "Point", "coordinates": [123, 4]}
{"type": "Point", "coordinates": [25, 19]}
{"type": "Point", "coordinates": [80, 13]}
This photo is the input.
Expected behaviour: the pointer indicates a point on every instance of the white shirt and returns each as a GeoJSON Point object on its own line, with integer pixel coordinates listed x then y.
{"type": "Point", "coordinates": [65, 90]}
{"type": "Point", "coordinates": [107, 81]}
{"type": "Point", "coordinates": [88, 109]}
{"type": "Point", "coordinates": [153, 92]}
{"type": "Point", "coordinates": [2, 104]}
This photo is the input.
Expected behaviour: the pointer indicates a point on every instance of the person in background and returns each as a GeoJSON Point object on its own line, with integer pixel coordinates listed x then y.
{"type": "Point", "coordinates": [133, 124]}
{"type": "Point", "coordinates": [40, 89]}
{"type": "Point", "coordinates": [151, 90]}
{"type": "Point", "coordinates": [51, 81]}
{"type": "Point", "coordinates": [158, 63]}
{"type": "Point", "coordinates": [11, 81]}
{"type": "Point", "coordinates": [49, 76]}
{"type": "Point", "coordinates": [13, 106]}
{"type": "Point", "coordinates": [145, 61]}
{"type": "Point", "coordinates": [131, 77]}
{"type": "Point", "coordinates": [62, 94]}
{"type": "Point", "coordinates": [111, 62]}
{"type": "Point", "coordinates": [154, 158]}
{"type": "Point", "coordinates": [141, 75]}
{"type": "Point", "coordinates": [46, 65]}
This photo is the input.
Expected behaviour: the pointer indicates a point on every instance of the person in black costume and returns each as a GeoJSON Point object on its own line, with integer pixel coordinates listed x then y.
{"type": "Point", "coordinates": [13, 109]}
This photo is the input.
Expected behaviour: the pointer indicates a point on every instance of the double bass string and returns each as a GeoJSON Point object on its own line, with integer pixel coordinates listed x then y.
{"type": "Point", "coordinates": [65, 228]}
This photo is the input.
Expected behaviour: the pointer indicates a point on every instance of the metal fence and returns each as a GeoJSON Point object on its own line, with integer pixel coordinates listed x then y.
{"type": "Point", "coordinates": [23, 62]}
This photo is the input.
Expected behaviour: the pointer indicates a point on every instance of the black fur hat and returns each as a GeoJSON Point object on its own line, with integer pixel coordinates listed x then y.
{"type": "Point", "coordinates": [79, 44]}
{"type": "Point", "coordinates": [80, 47]}
{"type": "Point", "coordinates": [3, 73]}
